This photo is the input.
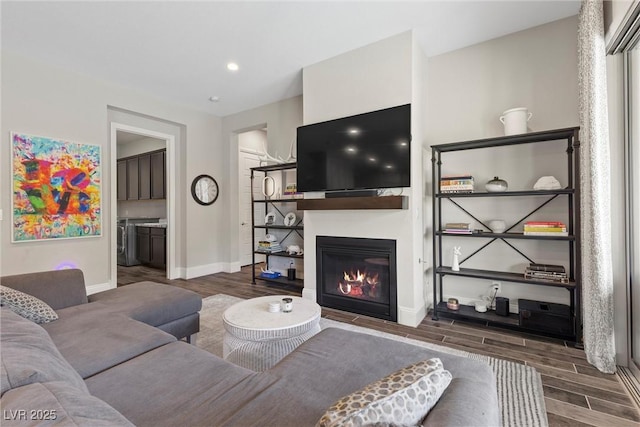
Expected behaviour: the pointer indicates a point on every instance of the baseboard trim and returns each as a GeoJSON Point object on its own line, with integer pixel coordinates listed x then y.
{"type": "Point", "coordinates": [411, 316]}
{"type": "Point", "coordinates": [233, 267]}
{"type": "Point", "coordinates": [94, 289]}
{"type": "Point", "coordinates": [204, 270]}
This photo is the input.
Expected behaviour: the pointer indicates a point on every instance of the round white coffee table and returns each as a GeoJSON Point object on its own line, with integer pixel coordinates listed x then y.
{"type": "Point", "coordinates": [258, 339]}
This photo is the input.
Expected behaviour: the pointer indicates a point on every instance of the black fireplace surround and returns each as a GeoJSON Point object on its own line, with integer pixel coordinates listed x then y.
{"type": "Point", "coordinates": [357, 275]}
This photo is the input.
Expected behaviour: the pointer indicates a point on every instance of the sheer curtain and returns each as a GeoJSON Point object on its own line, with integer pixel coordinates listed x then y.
{"type": "Point", "coordinates": [597, 275]}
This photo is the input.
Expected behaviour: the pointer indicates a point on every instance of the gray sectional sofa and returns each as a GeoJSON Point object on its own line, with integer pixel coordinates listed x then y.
{"type": "Point", "coordinates": [116, 358]}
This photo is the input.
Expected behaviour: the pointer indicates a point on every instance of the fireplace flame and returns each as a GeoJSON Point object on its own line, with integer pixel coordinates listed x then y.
{"type": "Point", "coordinates": [359, 284]}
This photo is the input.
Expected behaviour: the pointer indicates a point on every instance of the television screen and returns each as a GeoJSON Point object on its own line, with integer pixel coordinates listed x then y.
{"type": "Point", "coordinates": [366, 151]}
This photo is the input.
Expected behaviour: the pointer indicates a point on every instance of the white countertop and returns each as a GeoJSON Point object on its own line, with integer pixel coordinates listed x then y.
{"type": "Point", "coordinates": [152, 224]}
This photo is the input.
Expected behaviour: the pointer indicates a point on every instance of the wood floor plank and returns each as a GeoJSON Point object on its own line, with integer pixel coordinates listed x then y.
{"type": "Point", "coordinates": [568, 380]}
{"type": "Point", "coordinates": [586, 416]}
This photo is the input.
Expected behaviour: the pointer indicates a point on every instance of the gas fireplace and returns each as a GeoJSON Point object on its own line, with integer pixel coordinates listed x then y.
{"type": "Point", "coordinates": [357, 275]}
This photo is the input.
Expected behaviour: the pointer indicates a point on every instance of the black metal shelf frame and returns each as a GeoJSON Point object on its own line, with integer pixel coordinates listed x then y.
{"type": "Point", "coordinates": [297, 228]}
{"type": "Point", "coordinates": [572, 193]}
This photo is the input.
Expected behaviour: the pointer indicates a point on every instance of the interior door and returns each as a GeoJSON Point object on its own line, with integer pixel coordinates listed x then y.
{"type": "Point", "coordinates": [248, 160]}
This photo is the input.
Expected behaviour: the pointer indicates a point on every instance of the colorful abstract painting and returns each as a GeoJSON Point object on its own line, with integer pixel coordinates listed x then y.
{"type": "Point", "coordinates": [56, 189]}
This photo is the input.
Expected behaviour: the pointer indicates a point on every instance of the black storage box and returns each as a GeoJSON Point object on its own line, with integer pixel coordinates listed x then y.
{"type": "Point", "coordinates": [545, 317]}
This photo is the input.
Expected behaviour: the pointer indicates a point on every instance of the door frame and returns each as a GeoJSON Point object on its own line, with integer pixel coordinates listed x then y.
{"type": "Point", "coordinates": [171, 176]}
{"type": "Point", "coordinates": [240, 202]}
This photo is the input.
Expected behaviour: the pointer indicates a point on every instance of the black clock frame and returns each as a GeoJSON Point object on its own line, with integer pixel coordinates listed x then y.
{"type": "Point", "coordinates": [193, 189]}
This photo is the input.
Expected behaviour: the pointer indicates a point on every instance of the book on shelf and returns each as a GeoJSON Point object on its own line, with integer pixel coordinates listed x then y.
{"type": "Point", "coordinates": [546, 233]}
{"type": "Point", "coordinates": [546, 267]}
{"type": "Point", "coordinates": [545, 223]}
{"type": "Point", "coordinates": [457, 231]}
{"type": "Point", "coordinates": [456, 184]}
{"type": "Point", "coordinates": [269, 247]}
{"type": "Point", "coordinates": [547, 277]}
{"type": "Point", "coordinates": [547, 229]}
{"type": "Point", "coordinates": [461, 225]}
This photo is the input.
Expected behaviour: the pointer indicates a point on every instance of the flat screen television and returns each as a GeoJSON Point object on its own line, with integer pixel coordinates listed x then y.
{"type": "Point", "coordinates": [363, 152]}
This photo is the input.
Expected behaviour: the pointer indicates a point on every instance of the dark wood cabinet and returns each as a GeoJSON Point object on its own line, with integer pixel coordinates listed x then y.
{"type": "Point", "coordinates": [158, 175]}
{"type": "Point", "coordinates": [143, 246]}
{"type": "Point", "coordinates": [142, 177]}
{"type": "Point", "coordinates": [132, 179]}
{"type": "Point", "coordinates": [151, 246]}
{"type": "Point", "coordinates": [144, 174]}
{"type": "Point", "coordinates": [157, 247]}
{"type": "Point", "coordinates": [122, 179]}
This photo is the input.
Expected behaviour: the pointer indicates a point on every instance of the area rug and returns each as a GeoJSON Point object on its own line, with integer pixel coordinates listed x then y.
{"type": "Point", "coordinates": [519, 386]}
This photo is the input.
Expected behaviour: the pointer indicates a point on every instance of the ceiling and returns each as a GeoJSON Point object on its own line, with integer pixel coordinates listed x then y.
{"type": "Point", "coordinates": [178, 50]}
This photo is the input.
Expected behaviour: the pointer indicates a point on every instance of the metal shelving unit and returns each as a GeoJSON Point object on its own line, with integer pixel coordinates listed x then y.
{"type": "Point", "coordinates": [572, 195]}
{"type": "Point", "coordinates": [297, 228]}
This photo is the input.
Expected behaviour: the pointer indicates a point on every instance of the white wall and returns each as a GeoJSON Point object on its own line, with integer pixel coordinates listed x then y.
{"type": "Point", "coordinates": [376, 76]}
{"type": "Point", "coordinates": [468, 89]}
{"type": "Point", "coordinates": [43, 100]}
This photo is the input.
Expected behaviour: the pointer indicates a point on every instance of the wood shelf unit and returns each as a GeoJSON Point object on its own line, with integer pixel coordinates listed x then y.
{"type": "Point", "coordinates": [571, 194]}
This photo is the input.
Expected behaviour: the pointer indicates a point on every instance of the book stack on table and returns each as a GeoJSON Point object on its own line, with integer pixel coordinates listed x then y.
{"type": "Point", "coordinates": [458, 228]}
{"type": "Point", "coordinates": [545, 228]}
{"type": "Point", "coordinates": [456, 184]}
{"type": "Point", "coordinates": [546, 272]}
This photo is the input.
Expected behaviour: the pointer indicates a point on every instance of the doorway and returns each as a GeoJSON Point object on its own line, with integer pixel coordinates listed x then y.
{"type": "Point", "coordinates": [251, 145]}
{"type": "Point", "coordinates": [148, 137]}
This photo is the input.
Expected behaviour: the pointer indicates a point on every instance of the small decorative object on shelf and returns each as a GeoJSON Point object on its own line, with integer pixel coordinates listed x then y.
{"type": "Point", "coordinates": [545, 228]}
{"type": "Point", "coordinates": [515, 120]}
{"type": "Point", "coordinates": [268, 186]}
{"type": "Point", "coordinates": [270, 218]}
{"type": "Point", "coordinates": [480, 306]}
{"type": "Point", "coordinates": [496, 185]}
{"type": "Point", "coordinates": [453, 304]}
{"type": "Point", "coordinates": [290, 219]}
{"type": "Point", "coordinates": [547, 183]}
{"type": "Point", "coordinates": [294, 250]}
{"type": "Point", "coordinates": [497, 225]}
{"type": "Point", "coordinates": [456, 184]}
{"type": "Point", "coordinates": [455, 266]}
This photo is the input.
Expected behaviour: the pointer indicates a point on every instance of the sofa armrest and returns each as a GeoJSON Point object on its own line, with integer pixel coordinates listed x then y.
{"type": "Point", "coordinates": [58, 288]}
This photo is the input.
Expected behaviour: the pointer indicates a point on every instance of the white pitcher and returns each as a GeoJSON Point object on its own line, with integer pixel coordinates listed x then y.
{"type": "Point", "coordinates": [515, 120]}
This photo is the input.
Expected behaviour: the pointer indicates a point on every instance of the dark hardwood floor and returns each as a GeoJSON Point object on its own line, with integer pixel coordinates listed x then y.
{"type": "Point", "coordinates": [576, 394]}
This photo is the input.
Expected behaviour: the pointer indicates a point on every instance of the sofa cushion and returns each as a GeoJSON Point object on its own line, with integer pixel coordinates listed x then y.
{"type": "Point", "coordinates": [28, 355]}
{"type": "Point", "coordinates": [94, 341]}
{"type": "Point", "coordinates": [401, 398]}
{"type": "Point", "coordinates": [313, 371]}
{"type": "Point", "coordinates": [58, 288]}
{"type": "Point", "coordinates": [26, 305]}
{"type": "Point", "coordinates": [178, 384]}
{"type": "Point", "coordinates": [57, 403]}
{"type": "Point", "coordinates": [152, 303]}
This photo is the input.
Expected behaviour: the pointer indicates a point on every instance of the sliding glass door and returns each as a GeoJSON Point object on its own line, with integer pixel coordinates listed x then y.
{"type": "Point", "coordinates": [633, 202]}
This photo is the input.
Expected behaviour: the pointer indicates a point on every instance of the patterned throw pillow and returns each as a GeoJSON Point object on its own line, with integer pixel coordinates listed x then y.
{"type": "Point", "coordinates": [26, 305]}
{"type": "Point", "coordinates": [401, 399]}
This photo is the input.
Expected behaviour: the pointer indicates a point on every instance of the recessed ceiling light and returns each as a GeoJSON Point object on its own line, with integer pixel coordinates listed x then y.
{"type": "Point", "coordinates": [232, 66]}
{"type": "Point", "coordinates": [214, 98]}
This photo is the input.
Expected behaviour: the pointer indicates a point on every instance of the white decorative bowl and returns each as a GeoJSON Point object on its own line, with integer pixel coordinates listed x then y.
{"type": "Point", "coordinates": [496, 185]}
{"type": "Point", "coordinates": [497, 225]}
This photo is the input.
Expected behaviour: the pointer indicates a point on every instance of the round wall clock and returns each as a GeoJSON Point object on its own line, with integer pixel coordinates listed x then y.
{"type": "Point", "coordinates": [204, 190]}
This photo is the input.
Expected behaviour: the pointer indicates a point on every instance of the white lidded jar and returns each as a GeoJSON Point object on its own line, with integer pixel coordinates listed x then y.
{"type": "Point", "coordinates": [515, 120]}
